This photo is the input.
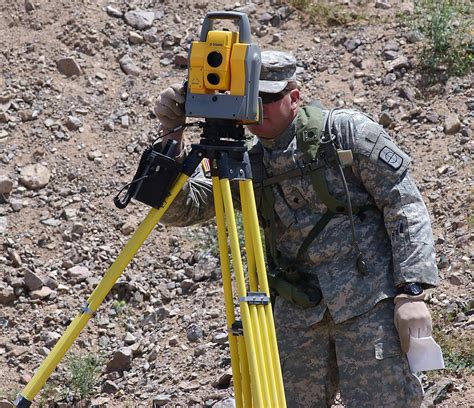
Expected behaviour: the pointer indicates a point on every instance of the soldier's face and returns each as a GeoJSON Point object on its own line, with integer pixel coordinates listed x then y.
{"type": "Point", "coordinates": [277, 116]}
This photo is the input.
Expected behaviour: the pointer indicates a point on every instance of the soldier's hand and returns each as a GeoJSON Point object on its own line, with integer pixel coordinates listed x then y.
{"type": "Point", "coordinates": [412, 317]}
{"type": "Point", "coordinates": [169, 107]}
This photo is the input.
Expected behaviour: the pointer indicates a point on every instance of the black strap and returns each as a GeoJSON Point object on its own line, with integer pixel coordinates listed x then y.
{"type": "Point", "coordinates": [315, 231]}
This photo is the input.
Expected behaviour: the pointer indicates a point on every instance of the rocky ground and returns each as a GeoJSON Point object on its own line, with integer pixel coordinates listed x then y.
{"type": "Point", "coordinates": [78, 80]}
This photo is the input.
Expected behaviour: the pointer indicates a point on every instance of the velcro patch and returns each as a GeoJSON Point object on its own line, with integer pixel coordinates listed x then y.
{"type": "Point", "coordinates": [393, 159]}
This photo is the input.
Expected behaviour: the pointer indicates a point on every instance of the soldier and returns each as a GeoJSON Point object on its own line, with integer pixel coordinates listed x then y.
{"type": "Point", "coordinates": [349, 240]}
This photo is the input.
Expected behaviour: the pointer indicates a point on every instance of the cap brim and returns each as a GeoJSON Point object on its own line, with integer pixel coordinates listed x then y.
{"type": "Point", "coordinates": [271, 86]}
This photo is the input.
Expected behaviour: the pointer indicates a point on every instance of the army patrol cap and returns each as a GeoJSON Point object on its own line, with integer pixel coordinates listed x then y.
{"type": "Point", "coordinates": [277, 69]}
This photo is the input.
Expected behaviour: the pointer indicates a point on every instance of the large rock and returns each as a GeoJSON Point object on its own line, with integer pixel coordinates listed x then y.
{"type": "Point", "coordinates": [121, 361]}
{"type": "Point", "coordinates": [6, 184]}
{"type": "Point", "coordinates": [128, 66]}
{"type": "Point", "coordinates": [68, 66]}
{"type": "Point", "coordinates": [5, 404]}
{"type": "Point", "coordinates": [452, 124]}
{"type": "Point", "coordinates": [7, 295]}
{"type": "Point", "coordinates": [139, 19]}
{"type": "Point", "coordinates": [78, 274]}
{"type": "Point", "coordinates": [32, 280]}
{"type": "Point", "coordinates": [42, 293]}
{"type": "Point", "coordinates": [437, 393]}
{"type": "Point", "coordinates": [161, 400]}
{"type": "Point", "coordinates": [50, 338]}
{"type": "Point", "coordinates": [35, 176]}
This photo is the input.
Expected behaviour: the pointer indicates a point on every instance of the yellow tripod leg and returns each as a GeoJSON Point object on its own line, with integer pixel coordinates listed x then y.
{"type": "Point", "coordinates": [96, 298]}
{"type": "Point", "coordinates": [256, 388]}
{"type": "Point", "coordinates": [248, 192]}
{"type": "Point", "coordinates": [251, 245]}
{"type": "Point", "coordinates": [244, 367]}
{"type": "Point", "coordinates": [238, 373]}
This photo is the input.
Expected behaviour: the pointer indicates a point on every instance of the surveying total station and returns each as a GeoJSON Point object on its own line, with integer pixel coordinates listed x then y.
{"type": "Point", "coordinates": [222, 88]}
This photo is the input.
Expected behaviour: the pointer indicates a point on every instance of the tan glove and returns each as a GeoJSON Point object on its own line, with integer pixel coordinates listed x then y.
{"type": "Point", "coordinates": [412, 317]}
{"type": "Point", "coordinates": [169, 107]}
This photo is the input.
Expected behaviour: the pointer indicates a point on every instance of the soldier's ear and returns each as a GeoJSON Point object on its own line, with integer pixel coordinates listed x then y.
{"type": "Point", "coordinates": [295, 98]}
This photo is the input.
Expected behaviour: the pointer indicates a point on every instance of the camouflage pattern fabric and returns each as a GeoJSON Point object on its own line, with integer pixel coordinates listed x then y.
{"type": "Point", "coordinates": [361, 357]}
{"type": "Point", "coordinates": [394, 237]}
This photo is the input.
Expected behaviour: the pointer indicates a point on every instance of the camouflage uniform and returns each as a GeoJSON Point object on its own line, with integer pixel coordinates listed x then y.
{"type": "Point", "coordinates": [349, 341]}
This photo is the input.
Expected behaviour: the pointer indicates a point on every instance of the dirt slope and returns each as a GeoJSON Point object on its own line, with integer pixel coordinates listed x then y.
{"type": "Point", "coordinates": [69, 143]}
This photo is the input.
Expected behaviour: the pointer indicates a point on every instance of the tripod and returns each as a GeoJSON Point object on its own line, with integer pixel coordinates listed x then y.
{"type": "Point", "coordinates": [252, 340]}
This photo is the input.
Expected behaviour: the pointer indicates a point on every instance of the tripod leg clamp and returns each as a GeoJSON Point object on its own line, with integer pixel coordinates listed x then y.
{"type": "Point", "coordinates": [86, 309]}
{"type": "Point", "coordinates": [256, 298]}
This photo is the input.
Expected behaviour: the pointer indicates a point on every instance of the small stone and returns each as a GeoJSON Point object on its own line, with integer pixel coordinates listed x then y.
{"type": "Point", "coordinates": [194, 333]}
{"type": "Point", "coordinates": [437, 393]}
{"type": "Point", "coordinates": [139, 19]}
{"type": "Point", "coordinates": [385, 119]}
{"type": "Point", "coordinates": [225, 403]}
{"type": "Point", "coordinates": [407, 93]}
{"type": "Point", "coordinates": [94, 155]}
{"type": "Point", "coordinates": [247, 9]}
{"type": "Point", "coordinates": [129, 339]}
{"type": "Point", "coordinates": [6, 184]}
{"type": "Point", "coordinates": [113, 12]}
{"type": "Point", "coordinates": [34, 176]}
{"type": "Point", "coordinates": [390, 55]}
{"type": "Point", "coordinates": [389, 79]}
{"type": "Point", "coordinates": [413, 36]}
{"type": "Point", "coordinates": [452, 124]}
{"type": "Point", "coordinates": [29, 6]}
{"type": "Point", "coordinates": [73, 123]}
{"type": "Point", "coordinates": [220, 338]}
{"type": "Point", "coordinates": [78, 273]}
{"type": "Point", "coordinates": [42, 293]}
{"type": "Point", "coordinates": [173, 341]}
{"type": "Point", "coordinates": [187, 285]}
{"type": "Point", "coordinates": [382, 4]}
{"type": "Point", "coordinates": [128, 66]}
{"type": "Point", "coordinates": [455, 279]}
{"type": "Point", "coordinates": [5, 404]}
{"type": "Point", "coordinates": [151, 35]}
{"type": "Point", "coordinates": [27, 115]}
{"type": "Point", "coordinates": [121, 360]}
{"type": "Point", "coordinates": [129, 226]}
{"type": "Point", "coordinates": [181, 60]}
{"type": "Point", "coordinates": [68, 66]}
{"type": "Point", "coordinates": [224, 379]}
{"type": "Point", "coordinates": [7, 295]}
{"type": "Point", "coordinates": [398, 63]}
{"type": "Point", "coordinates": [109, 125]}
{"type": "Point", "coordinates": [161, 400]}
{"type": "Point", "coordinates": [352, 44]}
{"type": "Point", "coordinates": [50, 338]}
{"type": "Point", "coordinates": [135, 38]}
{"type": "Point", "coordinates": [110, 387]}
{"type": "Point", "coordinates": [125, 121]}
{"type": "Point", "coordinates": [15, 259]}
{"type": "Point", "coordinates": [32, 280]}
{"type": "Point", "coordinates": [432, 118]}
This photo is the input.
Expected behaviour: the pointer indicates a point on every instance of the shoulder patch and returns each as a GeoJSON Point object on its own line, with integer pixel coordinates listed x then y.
{"type": "Point", "coordinates": [391, 157]}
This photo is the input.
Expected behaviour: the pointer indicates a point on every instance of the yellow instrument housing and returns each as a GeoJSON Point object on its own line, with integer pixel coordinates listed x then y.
{"type": "Point", "coordinates": [223, 72]}
{"type": "Point", "coordinates": [218, 64]}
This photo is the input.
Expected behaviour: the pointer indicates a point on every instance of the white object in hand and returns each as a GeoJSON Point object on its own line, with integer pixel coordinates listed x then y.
{"type": "Point", "coordinates": [424, 354]}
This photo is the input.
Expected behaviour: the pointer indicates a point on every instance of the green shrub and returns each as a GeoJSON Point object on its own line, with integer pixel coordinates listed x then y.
{"type": "Point", "coordinates": [83, 374]}
{"type": "Point", "coordinates": [457, 347]}
{"type": "Point", "coordinates": [448, 46]}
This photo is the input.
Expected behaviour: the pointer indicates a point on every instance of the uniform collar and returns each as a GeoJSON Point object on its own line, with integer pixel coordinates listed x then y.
{"type": "Point", "coordinates": [281, 142]}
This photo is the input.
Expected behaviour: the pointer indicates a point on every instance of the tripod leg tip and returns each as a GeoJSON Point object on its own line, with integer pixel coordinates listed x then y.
{"type": "Point", "coordinates": [21, 402]}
